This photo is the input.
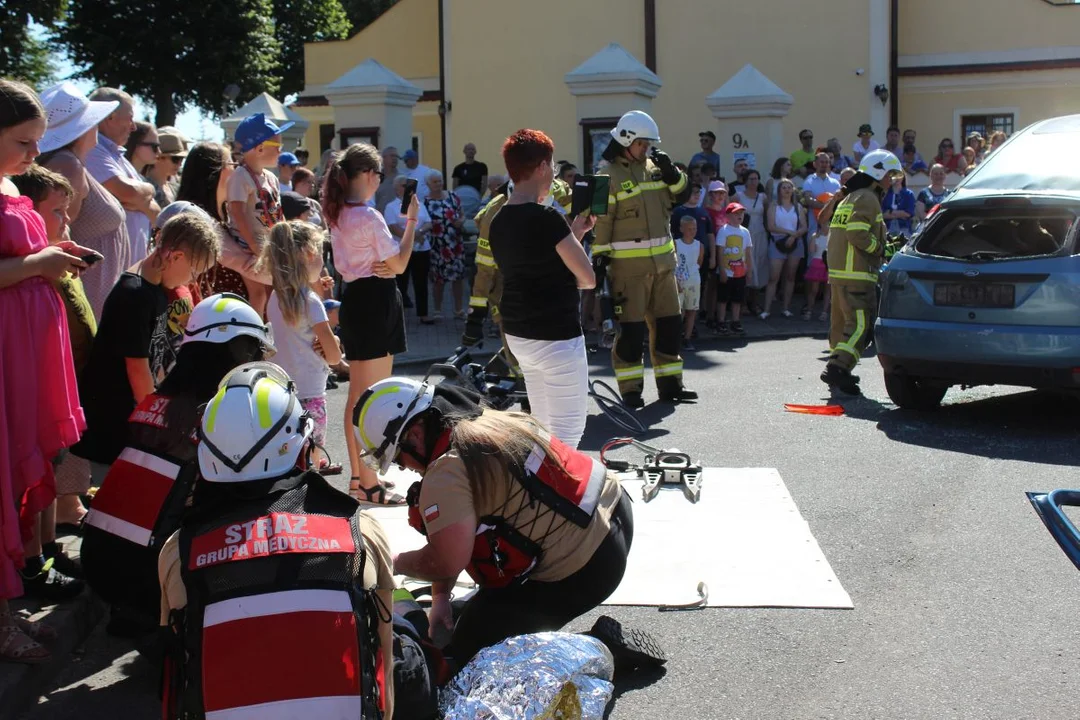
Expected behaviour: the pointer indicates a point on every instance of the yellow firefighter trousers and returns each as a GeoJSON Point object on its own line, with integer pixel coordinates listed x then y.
{"type": "Point", "coordinates": [647, 303]}
{"type": "Point", "coordinates": [853, 309]}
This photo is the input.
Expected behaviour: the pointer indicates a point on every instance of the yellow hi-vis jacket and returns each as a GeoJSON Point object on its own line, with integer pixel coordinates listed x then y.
{"type": "Point", "coordinates": [637, 224]}
{"type": "Point", "coordinates": [487, 285]}
{"type": "Point", "coordinates": [856, 239]}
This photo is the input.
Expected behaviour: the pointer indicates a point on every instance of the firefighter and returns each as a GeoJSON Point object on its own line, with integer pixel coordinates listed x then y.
{"type": "Point", "coordinates": [141, 501]}
{"type": "Point", "coordinates": [856, 247]}
{"type": "Point", "coordinates": [505, 501]}
{"type": "Point", "coordinates": [276, 587]}
{"type": "Point", "coordinates": [633, 246]}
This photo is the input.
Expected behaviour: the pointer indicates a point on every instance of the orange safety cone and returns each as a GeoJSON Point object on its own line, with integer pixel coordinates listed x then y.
{"type": "Point", "coordinates": [814, 409]}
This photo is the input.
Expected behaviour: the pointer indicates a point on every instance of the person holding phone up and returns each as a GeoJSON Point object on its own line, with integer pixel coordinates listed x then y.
{"type": "Point", "coordinates": [543, 266]}
{"type": "Point", "coordinates": [634, 246]}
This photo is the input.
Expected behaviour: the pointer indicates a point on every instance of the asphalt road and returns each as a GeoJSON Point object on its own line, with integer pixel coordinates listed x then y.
{"type": "Point", "coordinates": [964, 606]}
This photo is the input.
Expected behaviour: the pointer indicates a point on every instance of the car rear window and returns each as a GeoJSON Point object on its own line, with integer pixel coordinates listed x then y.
{"type": "Point", "coordinates": [995, 234]}
{"type": "Point", "coordinates": [1037, 161]}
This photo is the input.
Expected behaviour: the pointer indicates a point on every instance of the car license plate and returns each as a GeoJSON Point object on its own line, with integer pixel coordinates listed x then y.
{"type": "Point", "coordinates": [983, 295]}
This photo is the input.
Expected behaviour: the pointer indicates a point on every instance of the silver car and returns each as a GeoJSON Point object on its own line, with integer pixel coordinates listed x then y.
{"type": "Point", "coordinates": [988, 292]}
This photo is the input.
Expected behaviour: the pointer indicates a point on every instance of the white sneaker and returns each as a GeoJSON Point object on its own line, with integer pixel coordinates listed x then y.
{"type": "Point", "coordinates": [764, 316]}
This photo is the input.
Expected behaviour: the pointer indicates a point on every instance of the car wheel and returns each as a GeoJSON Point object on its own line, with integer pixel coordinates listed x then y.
{"type": "Point", "coordinates": [912, 393]}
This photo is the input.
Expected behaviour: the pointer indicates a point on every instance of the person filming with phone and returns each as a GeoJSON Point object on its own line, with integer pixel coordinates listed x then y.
{"type": "Point", "coordinates": [543, 266]}
{"type": "Point", "coordinates": [634, 247]}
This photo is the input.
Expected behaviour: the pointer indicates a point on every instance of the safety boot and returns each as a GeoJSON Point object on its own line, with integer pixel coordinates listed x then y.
{"type": "Point", "coordinates": [679, 396]}
{"type": "Point", "coordinates": [633, 400]}
{"type": "Point", "coordinates": [837, 377]}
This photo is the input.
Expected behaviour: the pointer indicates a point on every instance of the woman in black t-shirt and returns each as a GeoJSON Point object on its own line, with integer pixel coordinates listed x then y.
{"type": "Point", "coordinates": [543, 265]}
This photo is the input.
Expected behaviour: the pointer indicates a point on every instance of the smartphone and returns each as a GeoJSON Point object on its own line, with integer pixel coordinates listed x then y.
{"type": "Point", "coordinates": [92, 257]}
{"type": "Point", "coordinates": [406, 199]}
{"type": "Point", "coordinates": [590, 195]}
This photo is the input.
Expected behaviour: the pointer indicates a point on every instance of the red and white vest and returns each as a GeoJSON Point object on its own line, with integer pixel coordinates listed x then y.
{"type": "Point", "coordinates": [566, 480]}
{"type": "Point", "coordinates": [139, 483]}
{"type": "Point", "coordinates": [275, 626]}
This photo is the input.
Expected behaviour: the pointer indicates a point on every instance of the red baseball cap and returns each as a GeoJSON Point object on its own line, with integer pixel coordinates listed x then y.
{"type": "Point", "coordinates": [733, 207]}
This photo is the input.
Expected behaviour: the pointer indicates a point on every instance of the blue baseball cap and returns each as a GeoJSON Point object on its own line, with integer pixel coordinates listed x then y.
{"type": "Point", "coordinates": [255, 129]}
{"type": "Point", "coordinates": [410, 154]}
{"type": "Point", "coordinates": [287, 158]}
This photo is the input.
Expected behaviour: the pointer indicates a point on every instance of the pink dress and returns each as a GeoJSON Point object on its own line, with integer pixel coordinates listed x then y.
{"type": "Point", "coordinates": [39, 400]}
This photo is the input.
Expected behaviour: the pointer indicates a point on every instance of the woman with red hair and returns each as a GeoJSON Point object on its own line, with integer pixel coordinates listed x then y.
{"type": "Point", "coordinates": [543, 266]}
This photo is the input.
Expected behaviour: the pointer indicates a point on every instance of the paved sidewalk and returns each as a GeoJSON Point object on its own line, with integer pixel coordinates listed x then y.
{"type": "Point", "coordinates": [21, 685]}
{"type": "Point", "coordinates": [433, 343]}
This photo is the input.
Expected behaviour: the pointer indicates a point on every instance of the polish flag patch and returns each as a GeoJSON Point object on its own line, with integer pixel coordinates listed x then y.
{"type": "Point", "coordinates": [431, 513]}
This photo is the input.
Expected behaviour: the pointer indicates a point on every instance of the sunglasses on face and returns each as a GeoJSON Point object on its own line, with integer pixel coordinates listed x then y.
{"type": "Point", "coordinates": [947, 146]}
{"type": "Point", "coordinates": [156, 146]}
{"type": "Point", "coordinates": [380, 173]}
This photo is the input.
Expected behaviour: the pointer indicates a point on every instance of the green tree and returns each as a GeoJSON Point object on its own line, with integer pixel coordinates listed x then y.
{"type": "Point", "coordinates": [301, 21]}
{"type": "Point", "coordinates": [22, 55]}
{"type": "Point", "coordinates": [364, 12]}
{"type": "Point", "coordinates": [176, 55]}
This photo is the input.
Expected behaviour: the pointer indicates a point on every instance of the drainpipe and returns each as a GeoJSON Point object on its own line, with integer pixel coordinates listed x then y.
{"type": "Point", "coordinates": [444, 106]}
{"type": "Point", "coordinates": [650, 34]}
{"type": "Point", "coordinates": [894, 52]}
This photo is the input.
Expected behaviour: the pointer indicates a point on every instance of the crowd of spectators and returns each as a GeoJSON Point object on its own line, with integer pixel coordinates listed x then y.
{"type": "Point", "coordinates": [786, 245]}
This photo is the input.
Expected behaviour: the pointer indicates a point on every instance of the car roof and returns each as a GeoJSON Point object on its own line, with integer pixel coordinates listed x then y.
{"type": "Point", "coordinates": [1063, 124]}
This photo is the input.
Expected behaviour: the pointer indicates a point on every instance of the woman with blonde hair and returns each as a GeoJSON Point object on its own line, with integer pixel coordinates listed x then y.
{"type": "Point", "coordinates": [505, 501]}
{"type": "Point", "coordinates": [293, 258]}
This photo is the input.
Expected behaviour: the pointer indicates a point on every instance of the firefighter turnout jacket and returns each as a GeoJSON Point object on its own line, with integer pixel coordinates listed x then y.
{"type": "Point", "coordinates": [636, 230]}
{"type": "Point", "coordinates": [856, 239]}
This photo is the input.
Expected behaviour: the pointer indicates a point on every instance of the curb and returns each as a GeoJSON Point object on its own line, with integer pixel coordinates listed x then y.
{"type": "Point", "coordinates": [778, 334]}
{"type": "Point", "coordinates": [22, 685]}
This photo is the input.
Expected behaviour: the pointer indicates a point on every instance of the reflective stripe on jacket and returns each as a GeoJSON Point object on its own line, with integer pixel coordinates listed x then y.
{"type": "Point", "coordinates": [639, 211]}
{"type": "Point", "coordinates": [856, 239]}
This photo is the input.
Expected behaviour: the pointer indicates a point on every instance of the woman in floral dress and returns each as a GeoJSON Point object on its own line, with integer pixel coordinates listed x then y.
{"type": "Point", "coordinates": [447, 243]}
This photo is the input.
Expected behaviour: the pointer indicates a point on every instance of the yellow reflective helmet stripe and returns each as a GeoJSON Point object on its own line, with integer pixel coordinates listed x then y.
{"type": "Point", "coordinates": [225, 303]}
{"type": "Point", "coordinates": [212, 410]}
{"type": "Point", "coordinates": [367, 406]}
{"type": "Point", "coordinates": [262, 402]}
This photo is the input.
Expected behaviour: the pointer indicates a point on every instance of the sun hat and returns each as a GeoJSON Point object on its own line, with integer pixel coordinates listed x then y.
{"type": "Point", "coordinates": [69, 115]}
{"type": "Point", "coordinates": [866, 128]}
{"type": "Point", "coordinates": [717, 186]}
{"type": "Point", "coordinates": [171, 144]}
{"type": "Point", "coordinates": [255, 129]}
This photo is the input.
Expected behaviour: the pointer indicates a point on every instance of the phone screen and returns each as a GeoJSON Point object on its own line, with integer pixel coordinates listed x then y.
{"type": "Point", "coordinates": [590, 195]}
{"type": "Point", "coordinates": [601, 194]}
{"type": "Point", "coordinates": [410, 190]}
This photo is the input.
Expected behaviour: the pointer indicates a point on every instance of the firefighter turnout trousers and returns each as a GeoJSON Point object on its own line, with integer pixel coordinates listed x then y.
{"type": "Point", "coordinates": [646, 301]}
{"type": "Point", "coordinates": [853, 310]}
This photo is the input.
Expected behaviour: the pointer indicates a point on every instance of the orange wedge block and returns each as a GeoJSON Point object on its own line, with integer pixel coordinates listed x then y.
{"type": "Point", "coordinates": [814, 409]}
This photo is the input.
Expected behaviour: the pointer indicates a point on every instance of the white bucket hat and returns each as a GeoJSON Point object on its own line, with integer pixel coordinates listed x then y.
{"type": "Point", "coordinates": [69, 115]}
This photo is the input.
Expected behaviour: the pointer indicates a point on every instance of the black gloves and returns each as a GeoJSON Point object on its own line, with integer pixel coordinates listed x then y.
{"type": "Point", "coordinates": [668, 172]}
{"type": "Point", "coordinates": [474, 326]}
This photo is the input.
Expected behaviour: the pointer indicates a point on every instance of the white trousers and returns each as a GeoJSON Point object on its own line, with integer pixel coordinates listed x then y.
{"type": "Point", "coordinates": [557, 379]}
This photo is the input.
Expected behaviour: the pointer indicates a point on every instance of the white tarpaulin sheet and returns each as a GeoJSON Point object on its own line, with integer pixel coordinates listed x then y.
{"type": "Point", "coordinates": [745, 539]}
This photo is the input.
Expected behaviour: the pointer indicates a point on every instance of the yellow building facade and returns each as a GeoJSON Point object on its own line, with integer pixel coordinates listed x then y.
{"type": "Point", "coordinates": [570, 68]}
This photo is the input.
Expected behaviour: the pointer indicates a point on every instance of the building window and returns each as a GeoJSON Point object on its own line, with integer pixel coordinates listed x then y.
{"type": "Point", "coordinates": [352, 136]}
{"type": "Point", "coordinates": [595, 136]}
{"type": "Point", "coordinates": [326, 137]}
{"type": "Point", "coordinates": [986, 125]}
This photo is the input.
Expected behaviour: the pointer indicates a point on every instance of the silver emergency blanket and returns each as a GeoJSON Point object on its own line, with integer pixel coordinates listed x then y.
{"type": "Point", "coordinates": [545, 676]}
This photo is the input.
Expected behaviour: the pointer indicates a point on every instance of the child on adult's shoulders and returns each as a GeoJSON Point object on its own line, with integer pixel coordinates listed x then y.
{"type": "Point", "coordinates": [253, 193]}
